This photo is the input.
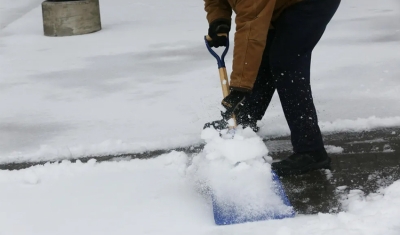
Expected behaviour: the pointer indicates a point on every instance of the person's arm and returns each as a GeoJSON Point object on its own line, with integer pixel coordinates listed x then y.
{"type": "Point", "coordinates": [218, 9]}
{"type": "Point", "coordinates": [252, 23]}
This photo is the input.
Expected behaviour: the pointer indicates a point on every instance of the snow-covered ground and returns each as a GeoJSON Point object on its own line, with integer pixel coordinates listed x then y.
{"type": "Point", "coordinates": [157, 197]}
{"type": "Point", "coordinates": [147, 82]}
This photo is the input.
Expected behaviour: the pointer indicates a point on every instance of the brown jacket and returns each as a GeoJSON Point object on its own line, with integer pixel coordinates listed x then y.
{"type": "Point", "coordinates": [253, 19]}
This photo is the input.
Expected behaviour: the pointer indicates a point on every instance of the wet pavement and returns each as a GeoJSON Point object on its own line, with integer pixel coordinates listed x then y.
{"type": "Point", "coordinates": [364, 161]}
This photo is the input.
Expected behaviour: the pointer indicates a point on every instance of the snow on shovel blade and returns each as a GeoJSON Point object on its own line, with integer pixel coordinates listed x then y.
{"type": "Point", "coordinates": [226, 214]}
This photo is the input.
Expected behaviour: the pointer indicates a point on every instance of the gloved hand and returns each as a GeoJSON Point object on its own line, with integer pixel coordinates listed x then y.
{"type": "Point", "coordinates": [232, 103]}
{"type": "Point", "coordinates": [219, 26]}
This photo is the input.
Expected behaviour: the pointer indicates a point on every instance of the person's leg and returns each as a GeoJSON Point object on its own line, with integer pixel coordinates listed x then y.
{"type": "Point", "coordinates": [298, 30]}
{"type": "Point", "coordinates": [257, 102]}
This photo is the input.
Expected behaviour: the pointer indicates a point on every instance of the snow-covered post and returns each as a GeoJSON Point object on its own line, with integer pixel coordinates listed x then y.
{"type": "Point", "coordinates": [73, 17]}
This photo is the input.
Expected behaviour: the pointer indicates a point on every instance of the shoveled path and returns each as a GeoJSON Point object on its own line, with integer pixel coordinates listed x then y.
{"type": "Point", "coordinates": [362, 161]}
{"type": "Point", "coordinates": [368, 160]}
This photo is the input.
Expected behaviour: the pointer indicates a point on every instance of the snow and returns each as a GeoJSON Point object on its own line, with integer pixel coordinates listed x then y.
{"type": "Point", "coordinates": [226, 166]}
{"type": "Point", "coordinates": [333, 149]}
{"type": "Point", "coordinates": [111, 198]}
{"type": "Point", "coordinates": [158, 196]}
{"type": "Point", "coordinates": [387, 149]}
{"type": "Point", "coordinates": [146, 82]}
{"type": "Point", "coordinates": [244, 145]}
{"type": "Point", "coordinates": [328, 174]}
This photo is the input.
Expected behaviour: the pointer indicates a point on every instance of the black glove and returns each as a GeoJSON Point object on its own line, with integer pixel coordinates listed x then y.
{"type": "Point", "coordinates": [232, 103]}
{"type": "Point", "coordinates": [216, 27]}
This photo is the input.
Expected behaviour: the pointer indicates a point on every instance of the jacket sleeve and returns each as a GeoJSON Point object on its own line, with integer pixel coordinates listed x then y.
{"type": "Point", "coordinates": [217, 9]}
{"type": "Point", "coordinates": [253, 19]}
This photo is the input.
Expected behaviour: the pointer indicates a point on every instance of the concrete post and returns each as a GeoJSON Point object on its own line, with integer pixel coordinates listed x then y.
{"type": "Point", "coordinates": [66, 18]}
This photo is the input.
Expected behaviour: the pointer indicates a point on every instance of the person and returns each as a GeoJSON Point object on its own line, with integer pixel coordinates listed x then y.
{"type": "Point", "coordinates": [273, 43]}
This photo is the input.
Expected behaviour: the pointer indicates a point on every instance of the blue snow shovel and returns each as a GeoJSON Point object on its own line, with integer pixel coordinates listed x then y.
{"type": "Point", "coordinates": [225, 214]}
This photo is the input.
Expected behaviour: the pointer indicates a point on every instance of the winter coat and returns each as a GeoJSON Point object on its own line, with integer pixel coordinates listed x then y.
{"type": "Point", "coordinates": [253, 20]}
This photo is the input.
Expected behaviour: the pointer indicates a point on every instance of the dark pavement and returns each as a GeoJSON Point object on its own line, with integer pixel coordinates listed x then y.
{"type": "Point", "coordinates": [369, 160]}
{"type": "Point", "coordinates": [364, 160]}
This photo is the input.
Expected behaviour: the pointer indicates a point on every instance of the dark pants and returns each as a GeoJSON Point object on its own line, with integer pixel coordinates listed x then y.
{"type": "Point", "coordinates": [286, 67]}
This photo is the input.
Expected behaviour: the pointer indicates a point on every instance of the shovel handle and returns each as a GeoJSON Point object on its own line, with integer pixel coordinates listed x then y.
{"type": "Point", "coordinates": [221, 68]}
{"type": "Point", "coordinates": [221, 63]}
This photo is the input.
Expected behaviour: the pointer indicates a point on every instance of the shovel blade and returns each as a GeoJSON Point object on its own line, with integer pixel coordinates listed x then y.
{"type": "Point", "coordinates": [228, 214]}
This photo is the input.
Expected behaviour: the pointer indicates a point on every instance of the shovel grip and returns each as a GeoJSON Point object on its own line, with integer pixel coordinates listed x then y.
{"type": "Point", "coordinates": [220, 59]}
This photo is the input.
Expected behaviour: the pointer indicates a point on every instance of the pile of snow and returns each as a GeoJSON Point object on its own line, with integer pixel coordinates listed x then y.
{"type": "Point", "coordinates": [156, 196]}
{"type": "Point", "coordinates": [135, 197]}
{"type": "Point", "coordinates": [242, 145]}
{"type": "Point", "coordinates": [377, 213]}
{"type": "Point", "coordinates": [236, 170]}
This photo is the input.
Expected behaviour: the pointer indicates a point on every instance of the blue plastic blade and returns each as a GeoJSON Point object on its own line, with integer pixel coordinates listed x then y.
{"type": "Point", "coordinates": [227, 214]}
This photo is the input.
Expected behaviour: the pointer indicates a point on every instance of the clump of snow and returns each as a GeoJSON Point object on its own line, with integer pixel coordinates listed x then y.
{"type": "Point", "coordinates": [387, 148]}
{"type": "Point", "coordinates": [245, 145]}
{"type": "Point", "coordinates": [328, 174]}
{"type": "Point", "coordinates": [333, 149]}
{"type": "Point", "coordinates": [341, 188]}
{"type": "Point", "coordinates": [237, 172]}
